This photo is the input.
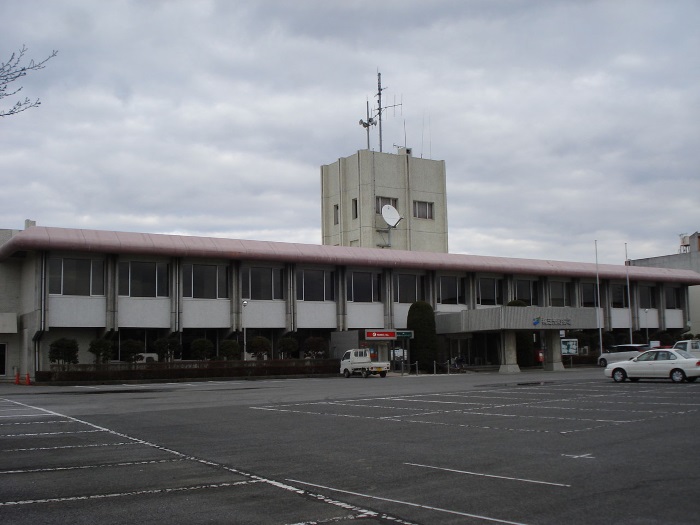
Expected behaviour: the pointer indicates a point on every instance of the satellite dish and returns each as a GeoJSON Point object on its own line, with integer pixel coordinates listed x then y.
{"type": "Point", "coordinates": [390, 215]}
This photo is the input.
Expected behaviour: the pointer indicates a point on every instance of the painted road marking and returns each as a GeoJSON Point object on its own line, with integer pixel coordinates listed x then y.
{"type": "Point", "coordinates": [409, 503]}
{"type": "Point", "coordinates": [489, 475]}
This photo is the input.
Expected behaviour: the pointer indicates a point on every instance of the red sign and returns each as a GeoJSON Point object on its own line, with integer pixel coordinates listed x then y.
{"type": "Point", "coordinates": [387, 335]}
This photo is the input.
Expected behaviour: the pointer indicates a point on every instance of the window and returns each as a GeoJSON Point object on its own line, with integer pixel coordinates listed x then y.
{"type": "Point", "coordinates": [560, 293]}
{"type": "Point", "coordinates": [364, 287]}
{"type": "Point", "coordinates": [405, 288]}
{"type": "Point", "coordinates": [383, 201]}
{"type": "Point", "coordinates": [673, 298]}
{"type": "Point", "coordinates": [354, 209]}
{"type": "Point", "coordinates": [76, 277]}
{"type": "Point", "coordinates": [423, 210]}
{"type": "Point", "coordinates": [618, 296]}
{"type": "Point", "coordinates": [451, 290]}
{"type": "Point", "coordinates": [205, 281]}
{"type": "Point", "coordinates": [143, 279]}
{"type": "Point", "coordinates": [527, 291]}
{"type": "Point", "coordinates": [315, 285]}
{"type": "Point", "coordinates": [589, 295]}
{"type": "Point", "coordinates": [336, 214]}
{"type": "Point", "coordinates": [489, 291]}
{"type": "Point", "coordinates": [647, 296]}
{"type": "Point", "coordinates": [263, 284]}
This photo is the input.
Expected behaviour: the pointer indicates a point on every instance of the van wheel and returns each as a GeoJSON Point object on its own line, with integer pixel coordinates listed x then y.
{"type": "Point", "coordinates": [382, 374]}
{"type": "Point", "coordinates": [603, 363]}
{"type": "Point", "coordinates": [365, 374]}
{"type": "Point", "coordinates": [677, 375]}
{"type": "Point", "coordinates": [346, 372]}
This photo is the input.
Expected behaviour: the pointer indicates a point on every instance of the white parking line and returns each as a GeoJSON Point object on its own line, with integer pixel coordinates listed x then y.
{"type": "Point", "coordinates": [489, 475]}
{"type": "Point", "coordinates": [409, 503]}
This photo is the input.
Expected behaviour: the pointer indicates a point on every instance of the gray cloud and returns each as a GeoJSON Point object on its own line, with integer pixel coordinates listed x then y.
{"type": "Point", "coordinates": [561, 123]}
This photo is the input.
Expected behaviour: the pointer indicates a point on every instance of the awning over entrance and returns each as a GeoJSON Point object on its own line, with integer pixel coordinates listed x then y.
{"type": "Point", "coordinates": [516, 318]}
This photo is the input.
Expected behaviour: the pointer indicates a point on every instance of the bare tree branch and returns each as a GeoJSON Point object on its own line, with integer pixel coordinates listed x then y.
{"type": "Point", "coordinates": [13, 70]}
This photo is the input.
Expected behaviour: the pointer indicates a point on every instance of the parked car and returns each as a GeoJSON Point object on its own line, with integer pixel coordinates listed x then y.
{"type": "Point", "coordinates": [689, 345]}
{"type": "Point", "coordinates": [676, 365]}
{"type": "Point", "coordinates": [620, 353]}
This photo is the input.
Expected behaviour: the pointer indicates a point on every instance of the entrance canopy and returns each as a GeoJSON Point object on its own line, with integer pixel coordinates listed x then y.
{"type": "Point", "coordinates": [517, 318]}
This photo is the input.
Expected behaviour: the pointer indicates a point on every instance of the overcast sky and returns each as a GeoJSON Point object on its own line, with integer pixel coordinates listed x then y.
{"type": "Point", "coordinates": [561, 123]}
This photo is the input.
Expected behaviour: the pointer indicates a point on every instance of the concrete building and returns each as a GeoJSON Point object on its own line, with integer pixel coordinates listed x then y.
{"type": "Point", "coordinates": [687, 258]}
{"type": "Point", "coordinates": [354, 189]}
{"type": "Point", "coordinates": [88, 284]}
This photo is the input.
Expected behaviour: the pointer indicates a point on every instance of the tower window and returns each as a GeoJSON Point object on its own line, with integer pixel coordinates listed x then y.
{"type": "Point", "coordinates": [383, 201]}
{"type": "Point", "coordinates": [423, 210]}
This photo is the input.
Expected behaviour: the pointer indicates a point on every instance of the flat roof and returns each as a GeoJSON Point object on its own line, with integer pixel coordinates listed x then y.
{"type": "Point", "coordinates": [42, 238]}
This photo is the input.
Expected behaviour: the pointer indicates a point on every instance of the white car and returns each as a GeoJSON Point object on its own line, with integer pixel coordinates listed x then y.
{"type": "Point", "coordinates": [676, 365]}
{"type": "Point", "coordinates": [620, 353]}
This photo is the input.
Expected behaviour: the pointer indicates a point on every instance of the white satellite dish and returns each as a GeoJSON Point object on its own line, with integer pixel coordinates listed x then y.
{"type": "Point", "coordinates": [390, 215]}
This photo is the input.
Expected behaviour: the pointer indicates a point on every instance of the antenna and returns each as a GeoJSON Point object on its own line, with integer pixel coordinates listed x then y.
{"type": "Point", "coordinates": [378, 112]}
{"type": "Point", "coordinates": [380, 108]}
{"type": "Point", "coordinates": [367, 123]}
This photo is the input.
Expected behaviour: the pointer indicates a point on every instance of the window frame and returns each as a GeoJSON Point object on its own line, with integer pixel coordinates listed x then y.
{"type": "Point", "coordinates": [428, 212]}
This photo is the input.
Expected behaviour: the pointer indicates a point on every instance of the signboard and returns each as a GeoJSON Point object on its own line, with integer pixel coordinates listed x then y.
{"type": "Point", "coordinates": [569, 347]}
{"type": "Point", "coordinates": [380, 335]}
{"type": "Point", "coordinates": [404, 333]}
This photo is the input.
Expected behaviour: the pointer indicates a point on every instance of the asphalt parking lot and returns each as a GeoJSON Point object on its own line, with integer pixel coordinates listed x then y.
{"type": "Point", "coordinates": [532, 448]}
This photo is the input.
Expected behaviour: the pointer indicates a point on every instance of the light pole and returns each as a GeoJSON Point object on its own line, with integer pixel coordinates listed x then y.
{"type": "Point", "coordinates": [646, 322]}
{"type": "Point", "coordinates": [245, 346]}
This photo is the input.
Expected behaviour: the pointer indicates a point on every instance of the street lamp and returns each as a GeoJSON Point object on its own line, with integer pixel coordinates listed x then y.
{"type": "Point", "coordinates": [646, 322]}
{"type": "Point", "coordinates": [245, 347]}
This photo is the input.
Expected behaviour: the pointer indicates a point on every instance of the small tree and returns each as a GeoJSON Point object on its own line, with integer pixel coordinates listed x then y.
{"type": "Point", "coordinates": [202, 349]}
{"type": "Point", "coordinates": [64, 351]}
{"type": "Point", "coordinates": [130, 350]}
{"type": "Point", "coordinates": [102, 350]}
{"type": "Point", "coordinates": [259, 346]}
{"type": "Point", "coordinates": [421, 319]}
{"type": "Point", "coordinates": [166, 348]}
{"type": "Point", "coordinates": [230, 350]}
{"type": "Point", "coordinates": [315, 348]}
{"type": "Point", "coordinates": [288, 347]}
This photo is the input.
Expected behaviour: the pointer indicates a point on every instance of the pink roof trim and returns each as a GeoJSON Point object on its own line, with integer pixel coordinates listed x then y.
{"type": "Point", "coordinates": [99, 241]}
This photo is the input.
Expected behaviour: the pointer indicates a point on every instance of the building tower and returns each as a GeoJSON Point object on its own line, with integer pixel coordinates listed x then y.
{"type": "Point", "coordinates": [354, 190]}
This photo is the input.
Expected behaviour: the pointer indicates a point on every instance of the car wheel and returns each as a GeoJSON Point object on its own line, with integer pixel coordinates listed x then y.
{"type": "Point", "coordinates": [677, 375]}
{"type": "Point", "coordinates": [365, 374]}
{"type": "Point", "coordinates": [383, 374]}
{"type": "Point", "coordinates": [619, 375]}
{"type": "Point", "coordinates": [691, 379]}
{"type": "Point", "coordinates": [603, 363]}
{"type": "Point", "coordinates": [633, 379]}
{"type": "Point", "coordinates": [346, 373]}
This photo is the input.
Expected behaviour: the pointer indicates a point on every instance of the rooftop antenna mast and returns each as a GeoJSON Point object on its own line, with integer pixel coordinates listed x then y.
{"type": "Point", "coordinates": [378, 111]}
{"type": "Point", "coordinates": [367, 123]}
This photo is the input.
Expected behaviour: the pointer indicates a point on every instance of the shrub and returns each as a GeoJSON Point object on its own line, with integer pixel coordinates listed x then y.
{"type": "Point", "coordinates": [130, 350]}
{"type": "Point", "coordinates": [64, 351]}
{"type": "Point", "coordinates": [102, 349]}
{"type": "Point", "coordinates": [230, 350]}
{"type": "Point", "coordinates": [259, 346]}
{"type": "Point", "coordinates": [288, 347]}
{"type": "Point", "coordinates": [202, 349]}
{"type": "Point", "coordinates": [167, 348]}
{"type": "Point", "coordinates": [421, 319]}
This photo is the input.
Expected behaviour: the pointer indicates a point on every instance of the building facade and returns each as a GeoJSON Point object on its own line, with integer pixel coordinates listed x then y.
{"type": "Point", "coordinates": [89, 284]}
{"type": "Point", "coordinates": [687, 258]}
{"type": "Point", "coordinates": [354, 190]}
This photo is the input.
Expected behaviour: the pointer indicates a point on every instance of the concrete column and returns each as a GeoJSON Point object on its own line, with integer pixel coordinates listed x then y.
{"type": "Point", "coordinates": [510, 356]}
{"type": "Point", "coordinates": [552, 356]}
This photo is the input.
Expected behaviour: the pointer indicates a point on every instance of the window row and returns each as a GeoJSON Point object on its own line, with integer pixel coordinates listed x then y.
{"type": "Point", "coordinates": [86, 277]}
